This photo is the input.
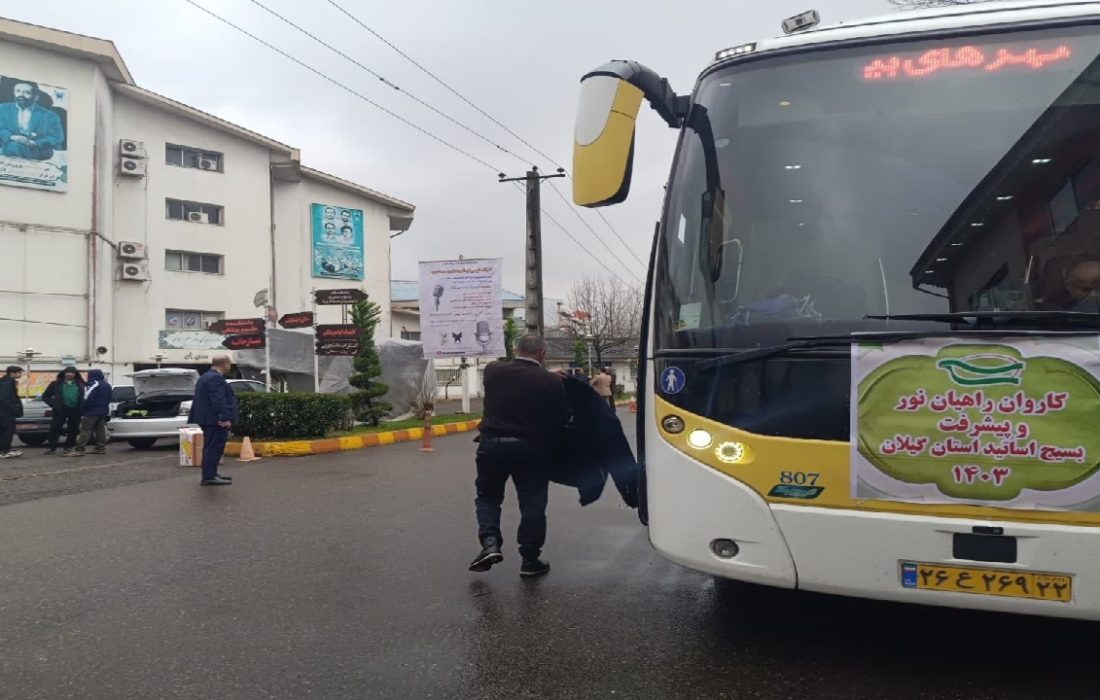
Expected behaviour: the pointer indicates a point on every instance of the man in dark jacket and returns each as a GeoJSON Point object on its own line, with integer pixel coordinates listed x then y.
{"type": "Point", "coordinates": [214, 409]}
{"type": "Point", "coordinates": [11, 407]}
{"type": "Point", "coordinates": [97, 410]}
{"type": "Point", "coordinates": [65, 397]}
{"type": "Point", "coordinates": [525, 411]}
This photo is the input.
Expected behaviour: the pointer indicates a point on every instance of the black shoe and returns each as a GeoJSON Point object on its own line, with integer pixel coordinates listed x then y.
{"type": "Point", "coordinates": [534, 567]}
{"type": "Point", "coordinates": [51, 451]}
{"type": "Point", "coordinates": [490, 554]}
{"type": "Point", "coordinates": [226, 478]}
{"type": "Point", "coordinates": [216, 481]}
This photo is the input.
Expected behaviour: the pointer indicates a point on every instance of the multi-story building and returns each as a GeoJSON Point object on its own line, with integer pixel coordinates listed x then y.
{"type": "Point", "coordinates": [130, 222]}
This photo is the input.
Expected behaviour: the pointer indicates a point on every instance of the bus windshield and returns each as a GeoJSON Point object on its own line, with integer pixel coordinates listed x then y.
{"type": "Point", "coordinates": [813, 189]}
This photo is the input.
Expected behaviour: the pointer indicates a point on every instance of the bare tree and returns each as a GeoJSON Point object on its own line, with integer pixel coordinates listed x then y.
{"type": "Point", "coordinates": [923, 4]}
{"type": "Point", "coordinates": [606, 312]}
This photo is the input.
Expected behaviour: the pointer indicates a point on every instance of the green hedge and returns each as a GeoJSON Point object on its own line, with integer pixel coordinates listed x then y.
{"type": "Point", "coordinates": [292, 415]}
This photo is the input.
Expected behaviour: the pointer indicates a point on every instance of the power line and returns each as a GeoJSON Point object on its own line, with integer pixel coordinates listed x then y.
{"type": "Point", "coordinates": [384, 80]}
{"type": "Point", "coordinates": [439, 80]}
{"type": "Point", "coordinates": [393, 114]}
{"type": "Point", "coordinates": [488, 116]}
{"type": "Point", "coordinates": [342, 86]}
{"type": "Point", "coordinates": [589, 227]}
{"type": "Point", "coordinates": [446, 116]}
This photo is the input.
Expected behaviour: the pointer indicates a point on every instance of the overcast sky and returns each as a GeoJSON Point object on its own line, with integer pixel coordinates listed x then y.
{"type": "Point", "coordinates": [519, 61]}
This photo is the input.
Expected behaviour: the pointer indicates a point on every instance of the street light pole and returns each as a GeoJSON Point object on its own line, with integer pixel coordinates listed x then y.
{"type": "Point", "coordinates": [534, 314]}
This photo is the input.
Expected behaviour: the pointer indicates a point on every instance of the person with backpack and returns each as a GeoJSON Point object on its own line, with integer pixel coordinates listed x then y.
{"type": "Point", "coordinates": [65, 397]}
{"type": "Point", "coordinates": [96, 413]}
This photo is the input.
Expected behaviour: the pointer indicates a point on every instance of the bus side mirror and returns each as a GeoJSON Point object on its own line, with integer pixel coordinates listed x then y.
{"type": "Point", "coordinates": [603, 145]}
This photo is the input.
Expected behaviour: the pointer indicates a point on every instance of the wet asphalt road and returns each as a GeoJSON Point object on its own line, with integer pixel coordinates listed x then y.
{"type": "Point", "coordinates": [344, 576]}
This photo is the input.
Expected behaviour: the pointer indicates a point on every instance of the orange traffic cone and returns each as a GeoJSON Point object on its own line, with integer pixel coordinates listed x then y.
{"type": "Point", "coordinates": [247, 455]}
{"type": "Point", "coordinates": [426, 445]}
{"type": "Point", "coordinates": [633, 405]}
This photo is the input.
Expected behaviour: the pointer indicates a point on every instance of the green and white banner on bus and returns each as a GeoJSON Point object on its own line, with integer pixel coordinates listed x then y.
{"type": "Point", "coordinates": [1010, 424]}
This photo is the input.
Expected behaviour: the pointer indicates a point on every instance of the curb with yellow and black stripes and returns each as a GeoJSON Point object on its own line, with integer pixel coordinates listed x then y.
{"type": "Point", "coordinates": [301, 448]}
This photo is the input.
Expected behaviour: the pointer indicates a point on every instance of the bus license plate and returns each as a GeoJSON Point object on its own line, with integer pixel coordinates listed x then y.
{"type": "Point", "coordinates": [983, 581]}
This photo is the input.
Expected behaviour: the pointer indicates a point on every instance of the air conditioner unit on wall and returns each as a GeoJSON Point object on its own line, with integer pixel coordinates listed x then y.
{"type": "Point", "coordinates": [207, 164]}
{"type": "Point", "coordinates": [131, 166]}
{"type": "Point", "coordinates": [129, 250]}
{"type": "Point", "coordinates": [129, 147]}
{"type": "Point", "coordinates": [198, 217]}
{"type": "Point", "coordinates": [135, 271]}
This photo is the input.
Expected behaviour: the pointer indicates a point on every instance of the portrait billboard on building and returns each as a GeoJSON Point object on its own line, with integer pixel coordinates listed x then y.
{"type": "Point", "coordinates": [33, 134]}
{"type": "Point", "coordinates": [337, 242]}
{"type": "Point", "coordinates": [461, 314]}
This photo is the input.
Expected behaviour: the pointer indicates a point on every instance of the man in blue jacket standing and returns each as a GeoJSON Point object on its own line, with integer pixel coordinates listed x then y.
{"type": "Point", "coordinates": [214, 409]}
{"type": "Point", "coordinates": [94, 416]}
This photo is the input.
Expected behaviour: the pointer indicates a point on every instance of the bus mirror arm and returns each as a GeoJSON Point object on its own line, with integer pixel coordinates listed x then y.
{"type": "Point", "coordinates": [656, 90]}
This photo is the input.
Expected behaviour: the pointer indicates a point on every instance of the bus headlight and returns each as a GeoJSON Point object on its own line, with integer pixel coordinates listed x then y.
{"type": "Point", "coordinates": [730, 452]}
{"type": "Point", "coordinates": [699, 438]}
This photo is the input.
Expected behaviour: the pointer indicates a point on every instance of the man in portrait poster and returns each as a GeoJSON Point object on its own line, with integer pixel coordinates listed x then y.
{"type": "Point", "coordinates": [28, 130]}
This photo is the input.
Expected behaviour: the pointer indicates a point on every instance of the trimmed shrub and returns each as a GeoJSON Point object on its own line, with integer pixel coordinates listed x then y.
{"type": "Point", "coordinates": [367, 403]}
{"type": "Point", "coordinates": [292, 415]}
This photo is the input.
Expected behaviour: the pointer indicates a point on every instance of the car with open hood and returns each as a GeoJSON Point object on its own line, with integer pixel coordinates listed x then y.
{"type": "Point", "coordinates": [161, 405]}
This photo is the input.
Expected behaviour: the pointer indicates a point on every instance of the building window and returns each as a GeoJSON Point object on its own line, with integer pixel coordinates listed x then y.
{"type": "Point", "coordinates": [195, 212]}
{"type": "Point", "coordinates": [186, 157]}
{"type": "Point", "coordinates": [190, 320]}
{"type": "Point", "coordinates": [184, 261]}
{"type": "Point", "coordinates": [410, 335]}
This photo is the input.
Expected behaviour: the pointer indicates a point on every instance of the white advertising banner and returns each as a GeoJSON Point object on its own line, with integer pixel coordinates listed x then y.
{"type": "Point", "coordinates": [461, 314]}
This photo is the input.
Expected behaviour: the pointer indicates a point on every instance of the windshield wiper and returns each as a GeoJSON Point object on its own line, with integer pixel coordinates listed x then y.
{"type": "Point", "coordinates": [976, 318]}
{"type": "Point", "coordinates": [737, 358]}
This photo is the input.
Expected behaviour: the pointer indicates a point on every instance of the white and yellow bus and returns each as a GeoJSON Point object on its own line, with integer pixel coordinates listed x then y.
{"type": "Point", "coordinates": [872, 341]}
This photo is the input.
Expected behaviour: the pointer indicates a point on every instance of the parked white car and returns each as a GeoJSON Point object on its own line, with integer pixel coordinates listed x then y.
{"type": "Point", "coordinates": [161, 405]}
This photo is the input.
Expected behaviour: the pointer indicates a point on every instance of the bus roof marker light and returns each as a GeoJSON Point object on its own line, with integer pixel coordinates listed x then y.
{"type": "Point", "coordinates": [795, 201]}
{"type": "Point", "coordinates": [784, 103]}
{"type": "Point", "coordinates": [734, 51]}
{"type": "Point", "coordinates": [977, 224]}
{"type": "Point", "coordinates": [941, 259]}
{"type": "Point", "coordinates": [730, 452]}
{"type": "Point", "coordinates": [1004, 198]}
{"type": "Point", "coordinates": [1040, 161]}
{"type": "Point", "coordinates": [700, 439]}
{"type": "Point", "coordinates": [795, 166]}
{"type": "Point", "coordinates": [673, 424]}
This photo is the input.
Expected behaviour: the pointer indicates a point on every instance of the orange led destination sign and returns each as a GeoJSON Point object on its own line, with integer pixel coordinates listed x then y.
{"type": "Point", "coordinates": [963, 58]}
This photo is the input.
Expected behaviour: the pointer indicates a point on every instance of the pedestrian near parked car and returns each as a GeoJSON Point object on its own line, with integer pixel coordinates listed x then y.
{"type": "Point", "coordinates": [11, 407]}
{"type": "Point", "coordinates": [214, 409]}
{"type": "Point", "coordinates": [602, 383]}
{"type": "Point", "coordinates": [97, 410]}
{"type": "Point", "coordinates": [525, 412]}
{"type": "Point", "coordinates": [65, 397]}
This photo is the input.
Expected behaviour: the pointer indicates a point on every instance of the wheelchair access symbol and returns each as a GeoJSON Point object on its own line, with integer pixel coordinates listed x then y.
{"type": "Point", "coordinates": [672, 380]}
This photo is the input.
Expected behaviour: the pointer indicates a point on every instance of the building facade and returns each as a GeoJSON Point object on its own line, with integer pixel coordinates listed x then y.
{"type": "Point", "coordinates": [129, 222]}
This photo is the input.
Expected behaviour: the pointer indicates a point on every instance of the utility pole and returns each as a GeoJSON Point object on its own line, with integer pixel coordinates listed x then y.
{"type": "Point", "coordinates": [534, 315]}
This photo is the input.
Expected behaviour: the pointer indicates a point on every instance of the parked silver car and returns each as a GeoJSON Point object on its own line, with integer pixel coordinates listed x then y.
{"type": "Point", "coordinates": [162, 405]}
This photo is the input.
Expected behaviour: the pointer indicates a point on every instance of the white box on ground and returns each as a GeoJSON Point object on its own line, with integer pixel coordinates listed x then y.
{"type": "Point", "coordinates": [190, 447]}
